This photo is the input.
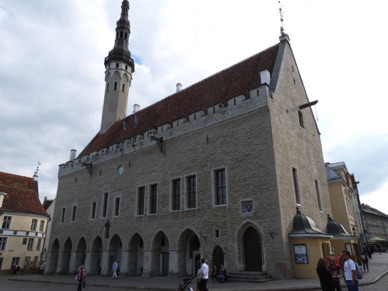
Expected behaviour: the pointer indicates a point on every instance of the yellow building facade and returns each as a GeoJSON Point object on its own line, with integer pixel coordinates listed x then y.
{"type": "Point", "coordinates": [23, 224]}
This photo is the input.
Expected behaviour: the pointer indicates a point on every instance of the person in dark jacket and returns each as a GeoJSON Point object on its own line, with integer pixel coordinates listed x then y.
{"type": "Point", "coordinates": [324, 275]}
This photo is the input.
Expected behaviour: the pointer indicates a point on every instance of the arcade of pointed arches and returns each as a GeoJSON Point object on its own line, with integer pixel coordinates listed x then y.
{"type": "Point", "coordinates": [65, 258]}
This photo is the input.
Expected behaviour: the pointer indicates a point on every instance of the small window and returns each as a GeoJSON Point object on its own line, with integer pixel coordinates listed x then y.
{"type": "Point", "coordinates": [301, 121]}
{"type": "Point", "coordinates": [63, 215]}
{"type": "Point", "coordinates": [176, 194]}
{"type": "Point", "coordinates": [94, 206]}
{"type": "Point", "coordinates": [296, 185]}
{"type": "Point", "coordinates": [74, 213]}
{"type": "Point", "coordinates": [117, 206]}
{"type": "Point", "coordinates": [38, 244]}
{"type": "Point", "coordinates": [33, 224]}
{"type": "Point", "coordinates": [123, 88]}
{"type": "Point", "coordinates": [121, 34]}
{"type": "Point", "coordinates": [3, 243]}
{"type": "Point", "coordinates": [191, 192]}
{"type": "Point", "coordinates": [107, 87]}
{"type": "Point", "coordinates": [30, 244]}
{"type": "Point", "coordinates": [105, 205]}
{"type": "Point", "coordinates": [41, 226]}
{"type": "Point", "coordinates": [140, 200]}
{"type": "Point", "coordinates": [153, 198]}
{"type": "Point", "coordinates": [318, 195]}
{"type": "Point", "coordinates": [115, 87]}
{"type": "Point", "coordinates": [220, 187]}
{"type": "Point", "coordinates": [24, 241]}
{"type": "Point", "coordinates": [6, 222]}
{"type": "Point", "coordinates": [117, 65]}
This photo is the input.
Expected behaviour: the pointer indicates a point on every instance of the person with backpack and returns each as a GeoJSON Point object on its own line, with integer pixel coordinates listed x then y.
{"type": "Point", "coordinates": [350, 273]}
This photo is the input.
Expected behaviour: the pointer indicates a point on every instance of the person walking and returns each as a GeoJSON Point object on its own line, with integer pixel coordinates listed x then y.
{"type": "Point", "coordinates": [81, 277]}
{"type": "Point", "coordinates": [115, 269]}
{"type": "Point", "coordinates": [350, 272]}
{"type": "Point", "coordinates": [365, 261]}
{"type": "Point", "coordinates": [203, 276]}
{"type": "Point", "coordinates": [324, 275]}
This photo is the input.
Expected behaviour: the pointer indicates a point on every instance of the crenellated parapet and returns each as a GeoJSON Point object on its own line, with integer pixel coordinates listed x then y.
{"type": "Point", "coordinates": [218, 113]}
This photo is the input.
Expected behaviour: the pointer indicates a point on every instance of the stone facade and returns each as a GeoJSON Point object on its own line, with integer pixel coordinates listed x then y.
{"type": "Point", "coordinates": [217, 183]}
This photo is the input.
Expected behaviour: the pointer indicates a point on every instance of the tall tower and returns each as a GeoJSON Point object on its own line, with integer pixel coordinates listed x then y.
{"type": "Point", "coordinates": [119, 67]}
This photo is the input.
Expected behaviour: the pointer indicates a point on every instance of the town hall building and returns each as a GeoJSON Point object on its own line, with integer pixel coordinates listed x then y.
{"type": "Point", "coordinates": [224, 169]}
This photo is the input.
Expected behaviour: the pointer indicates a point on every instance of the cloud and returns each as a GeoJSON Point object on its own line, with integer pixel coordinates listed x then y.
{"type": "Point", "coordinates": [52, 71]}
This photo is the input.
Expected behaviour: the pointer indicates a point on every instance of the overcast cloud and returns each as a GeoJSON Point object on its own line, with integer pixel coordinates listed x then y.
{"type": "Point", "coordinates": [52, 72]}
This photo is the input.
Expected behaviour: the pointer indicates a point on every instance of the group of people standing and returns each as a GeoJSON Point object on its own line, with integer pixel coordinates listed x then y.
{"type": "Point", "coordinates": [331, 270]}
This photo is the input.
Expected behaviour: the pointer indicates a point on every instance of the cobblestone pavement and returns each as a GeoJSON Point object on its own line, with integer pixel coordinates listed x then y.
{"type": "Point", "coordinates": [376, 279]}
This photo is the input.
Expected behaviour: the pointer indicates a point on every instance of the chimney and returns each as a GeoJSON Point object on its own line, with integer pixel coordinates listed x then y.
{"type": "Point", "coordinates": [136, 108]}
{"type": "Point", "coordinates": [73, 153]}
{"type": "Point", "coordinates": [178, 87]}
{"type": "Point", "coordinates": [265, 77]}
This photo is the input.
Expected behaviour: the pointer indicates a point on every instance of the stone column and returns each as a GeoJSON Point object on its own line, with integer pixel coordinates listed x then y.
{"type": "Point", "coordinates": [147, 266]}
{"type": "Point", "coordinates": [124, 263]}
{"type": "Point", "coordinates": [73, 259]}
{"type": "Point", "coordinates": [106, 269]}
{"type": "Point", "coordinates": [173, 263]}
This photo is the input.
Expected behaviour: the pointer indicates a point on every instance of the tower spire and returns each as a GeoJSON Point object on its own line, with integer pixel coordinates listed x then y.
{"type": "Point", "coordinates": [119, 67]}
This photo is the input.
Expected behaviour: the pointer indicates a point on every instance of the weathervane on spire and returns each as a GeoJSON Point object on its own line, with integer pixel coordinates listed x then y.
{"type": "Point", "coordinates": [35, 176]}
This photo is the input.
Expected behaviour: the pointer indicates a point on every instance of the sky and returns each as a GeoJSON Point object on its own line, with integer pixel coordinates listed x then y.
{"type": "Point", "coordinates": [52, 72]}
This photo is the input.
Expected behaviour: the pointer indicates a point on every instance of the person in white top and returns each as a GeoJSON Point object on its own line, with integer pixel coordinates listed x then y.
{"type": "Point", "coordinates": [350, 272]}
{"type": "Point", "coordinates": [203, 275]}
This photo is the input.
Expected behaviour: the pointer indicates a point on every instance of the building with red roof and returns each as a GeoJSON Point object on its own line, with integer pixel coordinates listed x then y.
{"type": "Point", "coordinates": [24, 222]}
{"type": "Point", "coordinates": [218, 170]}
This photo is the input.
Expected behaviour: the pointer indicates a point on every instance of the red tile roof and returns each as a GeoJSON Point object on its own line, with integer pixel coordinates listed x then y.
{"type": "Point", "coordinates": [231, 82]}
{"type": "Point", "coordinates": [22, 194]}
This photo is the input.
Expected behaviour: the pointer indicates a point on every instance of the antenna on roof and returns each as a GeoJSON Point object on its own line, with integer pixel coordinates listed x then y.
{"type": "Point", "coordinates": [281, 18]}
{"type": "Point", "coordinates": [35, 176]}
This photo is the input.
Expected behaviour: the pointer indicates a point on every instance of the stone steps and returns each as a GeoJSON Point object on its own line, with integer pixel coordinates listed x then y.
{"type": "Point", "coordinates": [259, 277]}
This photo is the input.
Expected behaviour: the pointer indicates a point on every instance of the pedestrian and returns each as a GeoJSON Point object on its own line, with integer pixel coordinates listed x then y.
{"type": "Point", "coordinates": [203, 276]}
{"type": "Point", "coordinates": [335, 271]}
{"type": "Point", "coordinates": [350, 272]}
{"type": "Point", "coordinates": [116, 269]}
{"type": "Point", "coordinates": [41, 268]}
{"type": "Point", "coordinates": [81, 277]}
{"type": "Point", "coordinates": [365, 261]}
{"type": "Point", "coordinates": [324, 275]}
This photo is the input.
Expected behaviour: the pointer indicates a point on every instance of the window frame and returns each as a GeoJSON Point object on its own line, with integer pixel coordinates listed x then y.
{"type": "Point", "coordinates": [191, 191]}
{"type": "Point", "coordinates": [153, 199]}
{"type": "Point", "coordinates": [176, 195]}
{"type": "Point", "coordinates": [220, 187]}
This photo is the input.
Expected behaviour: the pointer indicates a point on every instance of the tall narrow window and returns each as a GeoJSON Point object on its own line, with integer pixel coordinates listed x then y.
{"type": "Point", "coordinates": [140, 200]}
{"type": "Point", "coordinates": [6, 222]}
{"type": "Point", "coordinates": [63, 215]}
{"type": "Point", "coordinates": [104, 204]}
{"type": "Point", "coordinates": [176, 194]}
{"type": "Point", "coordinates": [94, 206]}
{"type": "Point", "coordinates": [107, 87]}
{"type": "Point", "coordinates": [301, 121]}
{"type": "Point", "coordinates": [191, 192]}
{"type": "Point", "coordinates": [38, 244]}
{"type": "Point", "coordinates": [3, 243]}
{"type": "Point", "coordinates": [153, 198]}
{"type": "Point", "coordinates": [318, 195]}
{"type": "Point", "coordinates": [115, 87]}
{"type": "Point", "coordinates": [123, 88]}
{"type": "Point", "coordinates": [33, 224]}
{"type": "Point", "coordinates": [296, 185]}
{"type": "Point", "coordinates": [74, 213]}
{"type": "Point", "coordinates": [117, 206]}
{"type": "Point", "coordinates": [30, 244]}
{"type": "Point", "coordinates": [220, 187]}
{"type": "Point", "coordinates": [41, 226]}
